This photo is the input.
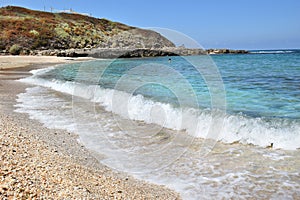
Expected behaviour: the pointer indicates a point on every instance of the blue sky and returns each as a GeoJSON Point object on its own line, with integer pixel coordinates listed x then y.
{"type": "Point", "coordinates": [235, 24]}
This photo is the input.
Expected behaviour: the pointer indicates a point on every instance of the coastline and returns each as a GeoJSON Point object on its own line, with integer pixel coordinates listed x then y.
{"type": "Point", "coordinates": [12, 62]}
{"type": "Point", "coordinates": [37, 162]}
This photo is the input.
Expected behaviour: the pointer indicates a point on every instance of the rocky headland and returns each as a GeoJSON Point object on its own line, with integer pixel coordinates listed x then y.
{"type": "Point", "coordinates": [25, 31]}
{"type": "Point", "coordinates": [30, 32]}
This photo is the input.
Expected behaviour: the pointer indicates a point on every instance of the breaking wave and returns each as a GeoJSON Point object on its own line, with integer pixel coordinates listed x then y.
{"type": "Point", "coordinates": [237, 127]}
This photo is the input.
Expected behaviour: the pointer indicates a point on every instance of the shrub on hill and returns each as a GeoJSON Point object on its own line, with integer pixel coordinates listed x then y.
{"type": "Point", "coordinates": [15, 49]}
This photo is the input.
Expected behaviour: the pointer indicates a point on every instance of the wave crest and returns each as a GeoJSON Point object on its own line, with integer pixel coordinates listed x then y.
{"type": "Point", "coordinates": [283, 133]}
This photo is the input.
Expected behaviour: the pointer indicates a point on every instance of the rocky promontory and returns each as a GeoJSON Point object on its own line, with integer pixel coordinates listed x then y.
{"type": "Point", "coordinates": [25, 31]}
{"type": "Point", "coordinates": [144, 52]}
{"type": "Point", "coordinates": [30, 32]}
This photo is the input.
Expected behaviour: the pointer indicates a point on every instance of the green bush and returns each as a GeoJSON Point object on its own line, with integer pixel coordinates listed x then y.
{"type": "Point", "coordinates": [34, 33]}
{"type": "Point", "coordinates": [15, 49]}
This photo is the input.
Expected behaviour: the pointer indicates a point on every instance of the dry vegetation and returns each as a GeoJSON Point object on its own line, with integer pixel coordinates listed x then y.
{"type": "Point", "coordinates": [31, 29]}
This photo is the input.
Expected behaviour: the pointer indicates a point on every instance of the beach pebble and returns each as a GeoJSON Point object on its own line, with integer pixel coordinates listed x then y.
{"type": "Point", "coordinates": [32, 169]}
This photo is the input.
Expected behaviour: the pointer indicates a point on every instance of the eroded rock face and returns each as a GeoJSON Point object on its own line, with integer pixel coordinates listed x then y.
{"type": "Point", "coordinates": [137, 39]}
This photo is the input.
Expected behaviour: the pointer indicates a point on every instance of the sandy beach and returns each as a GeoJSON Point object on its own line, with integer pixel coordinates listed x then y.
{"type": "Point", "coordinates": [41, 163]}
{"type": "Point", "coordinates": [8, 62]}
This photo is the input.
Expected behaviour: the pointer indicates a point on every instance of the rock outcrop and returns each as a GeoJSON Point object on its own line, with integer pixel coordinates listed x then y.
{"type": "Point", "coordinates": [144, 52]}
{"type": "Point", "coordinates": [226, 51]}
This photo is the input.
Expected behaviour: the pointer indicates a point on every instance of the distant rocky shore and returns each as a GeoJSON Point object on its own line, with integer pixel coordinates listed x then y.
{"type": "Point", "coordinates": [126, 52]}
{"type": "Point", "coordinates": [168, 51]}
{"type": "Point", "coordinates": [226, 51]}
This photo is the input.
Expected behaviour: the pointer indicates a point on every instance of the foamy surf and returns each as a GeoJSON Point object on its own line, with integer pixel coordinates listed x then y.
{"type": "Point", "coordinates": [283, 133]}
{"type": "Point", "coordinates": [273, 51]}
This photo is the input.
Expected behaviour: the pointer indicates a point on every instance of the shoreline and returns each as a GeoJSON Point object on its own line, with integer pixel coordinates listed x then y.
{"type": "Point", "coordinates": [13, 62]}
{"type": "Point", "coordinates": [37, 162]}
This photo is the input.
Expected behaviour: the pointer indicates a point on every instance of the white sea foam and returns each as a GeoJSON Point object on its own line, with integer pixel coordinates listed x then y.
{"type": "Point", "coordinates": [272, 52]}
{"type": "Point", "coordinates": [236, 128]}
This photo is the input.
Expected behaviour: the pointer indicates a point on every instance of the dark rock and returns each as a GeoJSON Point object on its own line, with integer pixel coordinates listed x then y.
{"type": "Point", "coordinates": [226, 51]}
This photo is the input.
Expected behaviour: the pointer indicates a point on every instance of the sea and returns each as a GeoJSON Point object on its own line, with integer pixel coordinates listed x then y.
{"type": "Point", "coordinates": [208, 126]}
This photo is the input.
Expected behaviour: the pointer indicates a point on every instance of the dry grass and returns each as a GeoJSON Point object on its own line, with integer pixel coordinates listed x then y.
{"type": "Point", "coordinates": [17, 24]}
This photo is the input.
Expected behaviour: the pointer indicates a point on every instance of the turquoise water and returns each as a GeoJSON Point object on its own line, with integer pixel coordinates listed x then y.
{"type": "Point", "coordinates": [262, 85]}
{"type": "Point", "coordinates": [257, 85]}
{"type": "Point", "coordinates": [153, 117]}
{"type": "Point", "coordinates": [256, 97]}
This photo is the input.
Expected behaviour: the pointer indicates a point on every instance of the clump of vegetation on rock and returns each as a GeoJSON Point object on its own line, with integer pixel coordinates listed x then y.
{"type": "Point", "coordinates": [15, 49]}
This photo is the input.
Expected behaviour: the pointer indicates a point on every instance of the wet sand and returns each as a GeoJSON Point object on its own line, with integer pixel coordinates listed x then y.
{"type": "Point", "coordinates": [41, 163]}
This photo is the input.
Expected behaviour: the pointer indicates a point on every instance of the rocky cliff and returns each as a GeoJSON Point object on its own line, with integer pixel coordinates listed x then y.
{"type": "Point", "coordinates": [23, 31]}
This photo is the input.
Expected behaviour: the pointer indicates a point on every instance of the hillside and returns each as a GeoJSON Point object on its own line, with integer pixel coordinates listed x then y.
{"type": "Point", "coordinates": [24, 30]}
